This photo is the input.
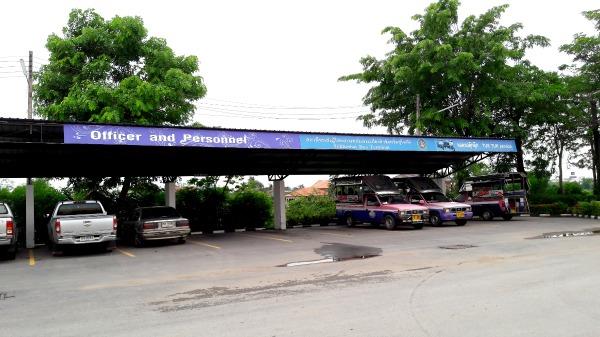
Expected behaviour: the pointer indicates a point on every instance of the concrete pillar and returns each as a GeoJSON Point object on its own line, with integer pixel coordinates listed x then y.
{"type": "Point", "coordinates": [170, 194]}
{"type": "Point", "coordinates": [29, 216]}
{"type": "Point", "coordinates": [279, 204]}
{"type": "Point", "coordinates": [441, 183]}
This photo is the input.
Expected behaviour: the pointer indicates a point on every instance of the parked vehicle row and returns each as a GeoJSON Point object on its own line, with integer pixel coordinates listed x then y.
{"type": "Point", "coordinates": [413, 201]}
{"type": "Point", "coordinates": [87, 223]}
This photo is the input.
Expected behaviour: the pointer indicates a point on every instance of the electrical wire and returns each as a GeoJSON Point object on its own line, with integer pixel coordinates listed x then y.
{"type": "Point", "coordinates": [254, 112]}
{"type": "Point", "coordinates": [282, 107]}
{"type": "Point", "coordinates": [228, 114]}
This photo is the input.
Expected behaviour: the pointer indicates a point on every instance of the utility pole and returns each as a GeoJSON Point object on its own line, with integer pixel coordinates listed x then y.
{"type": "Point", "coordinates": [29, 75]}
{"type": "Point", "coordinates": [29, 207]}
{"type": "Point", "coordinates": [418, 113]}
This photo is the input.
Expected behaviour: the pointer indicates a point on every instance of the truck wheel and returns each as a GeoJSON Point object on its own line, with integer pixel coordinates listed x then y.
{"type": "Point", "coordinates": [434, 219]}
{"type": "Point", "coordinates": [487, 215]}
{"type": "Point", "coordinates": [461, 222]}
{"type": "Point", "coordinates": [507, 217]}
{"type": "Point", "coordinates": [349, 221]}
{"type": "Point", "coordinates": [11, 254]}
{"type": "Point", "coordinates": [389, 222]}
{"type": "Point", "coordinates": [137, 241]}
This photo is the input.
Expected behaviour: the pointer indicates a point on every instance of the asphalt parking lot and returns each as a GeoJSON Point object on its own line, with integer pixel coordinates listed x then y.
{"type": "Point", "coordinates": [484, 279]}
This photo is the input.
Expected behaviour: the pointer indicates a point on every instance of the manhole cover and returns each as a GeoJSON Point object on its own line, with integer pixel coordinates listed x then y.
{"type": "Point", "coordinates": [458, 246]}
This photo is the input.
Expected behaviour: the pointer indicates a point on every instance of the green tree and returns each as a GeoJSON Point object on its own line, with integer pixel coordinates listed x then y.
{"type": "Point", "coordinates": [449, 66]}
{"type": "Point", "coordinates": [585, 50]}
{"type": "Point", "coordinates": [111, 71]}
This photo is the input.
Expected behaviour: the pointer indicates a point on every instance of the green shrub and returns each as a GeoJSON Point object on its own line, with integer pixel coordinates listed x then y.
{"type": "Point", "coordinates": [310, 210]}
{"type": "Point", "coordinates": [249, 208]}
{"type": "Point", "coordinates": [556, 208]}
{"type": "Point", "coordinates": [205, 208]}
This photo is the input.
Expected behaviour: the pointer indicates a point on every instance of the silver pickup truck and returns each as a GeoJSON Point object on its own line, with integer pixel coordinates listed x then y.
{"type": "Point", "coordinates": [8, 232]}
{"type": "Point", "coordinates": [81, 223]}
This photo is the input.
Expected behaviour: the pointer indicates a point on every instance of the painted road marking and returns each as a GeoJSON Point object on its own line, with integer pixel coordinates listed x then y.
{"type": "Point", "coordinates": [204, 244]}
{"type": "Point", "coordinates": [268, 237]}
{"type": "Point", "coordinates": [335, 234]}
{"type": "Point", "coordinates": [31, 258]}
{"type": "Point", "coordinates": [126, 253]}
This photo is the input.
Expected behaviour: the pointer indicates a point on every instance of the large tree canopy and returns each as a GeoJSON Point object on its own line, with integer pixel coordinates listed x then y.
{"type": "Point", "coordinates": [111, 71]}
{"type": "Point", "coordinates": [457, 67]}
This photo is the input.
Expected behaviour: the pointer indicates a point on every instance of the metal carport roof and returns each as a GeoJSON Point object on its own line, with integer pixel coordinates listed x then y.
{"type": "Point", "coordinates": [41, 148]}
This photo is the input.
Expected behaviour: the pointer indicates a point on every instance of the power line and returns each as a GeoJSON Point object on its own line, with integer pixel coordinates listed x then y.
{"type": "Point", "coordinates": [242, 115]}
{"type": "Point", "coordinates": [254, 112]}
{"type": "Point", "coordinates": [261, 106]}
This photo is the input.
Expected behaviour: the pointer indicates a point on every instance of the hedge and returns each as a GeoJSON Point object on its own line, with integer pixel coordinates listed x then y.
{"type": "Point", "coordinates": [310, 210]}
{"type": "Point", "coordinates": [555, 208]}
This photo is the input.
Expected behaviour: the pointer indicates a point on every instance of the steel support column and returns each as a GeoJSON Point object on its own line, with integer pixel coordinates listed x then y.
{"type": "Point", "coordinates": [29, 216]}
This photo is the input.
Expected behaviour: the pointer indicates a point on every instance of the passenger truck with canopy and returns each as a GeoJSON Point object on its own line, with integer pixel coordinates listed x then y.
{"type": "Point", "coordinates": [375, 200]}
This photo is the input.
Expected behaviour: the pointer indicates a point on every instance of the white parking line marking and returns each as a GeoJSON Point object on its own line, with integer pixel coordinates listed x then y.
{"type": "Point", "coordinates": [204, 244]}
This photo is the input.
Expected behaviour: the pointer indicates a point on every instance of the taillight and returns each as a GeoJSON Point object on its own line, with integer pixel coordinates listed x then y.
{"type": "Point", "coordinates": [502, 204]}
{"type": "Point", "coordinates": [150, 225]}
{"type": "Point", "coordinates": [114, 223]}
{"type": "Point", "coordinates": [10, 226]}
{"type": "Point", "coordinates": [57, 226]}
{"type": "Point", "coordinates": [183, 223]}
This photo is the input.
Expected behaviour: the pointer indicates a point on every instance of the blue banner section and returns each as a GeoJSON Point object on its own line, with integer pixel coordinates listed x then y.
{"type": "Point", "coordinates": [150, 136]}
{"type": "Point", "coordinates": [402, 143]}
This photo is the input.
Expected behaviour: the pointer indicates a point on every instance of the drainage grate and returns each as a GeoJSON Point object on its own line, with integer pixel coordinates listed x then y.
{"type": "Point", "coordinates": [457, 247]}
{"type": "Point", "coordinates": [567, 234]}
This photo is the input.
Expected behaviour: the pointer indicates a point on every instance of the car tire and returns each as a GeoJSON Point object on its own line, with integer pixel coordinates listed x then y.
{"type": "Point", "coordinates": [11, 254]}
{"type": "Point", "coordinates": [507, 217]}
{"type": "Point", "coordinates": [435, 219]}
{"type": "Point", "coordinates": [138, 241]}
{"type": "Point", "coordinates": [487, 215]}
{"type": "Point", "coordinates": [348, 220]}
{"type": "Point", "coordinates": [461, 222]}
{"type": "Point", "coordinates": [389, 222]}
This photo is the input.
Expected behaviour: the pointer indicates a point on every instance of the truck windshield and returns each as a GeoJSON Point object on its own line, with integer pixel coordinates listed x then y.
{"type": "Point", "coordinates": [77, 209]}
{"type": "Point", "coordinates": [392, 199]}
{"type": "Point", "coordinates": [435, 197]}
{"type": "Point", "coordinates": [159, 212]}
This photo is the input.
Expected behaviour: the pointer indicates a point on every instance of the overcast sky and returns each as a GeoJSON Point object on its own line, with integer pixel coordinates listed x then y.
{"type": "Point", "coordinates": [281, 58]}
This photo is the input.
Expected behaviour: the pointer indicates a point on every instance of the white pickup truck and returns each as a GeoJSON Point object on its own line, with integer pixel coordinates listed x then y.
{"type": "Point", "coordinates": [8, 232]}
{"type": "Point", "coordinates": [81, 223]}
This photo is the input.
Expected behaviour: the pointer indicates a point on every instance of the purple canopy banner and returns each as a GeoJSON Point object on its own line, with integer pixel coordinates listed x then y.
{"type": "Point", "coordinates": [148, 136]}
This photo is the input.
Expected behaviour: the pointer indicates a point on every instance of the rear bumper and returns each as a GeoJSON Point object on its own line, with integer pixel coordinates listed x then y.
{"type": "Point", "coordinates": [173, 233]}
{"type": "Point", "coordinates": [75, 240]}
{"type": "Point", "coordinates": [6, 241]}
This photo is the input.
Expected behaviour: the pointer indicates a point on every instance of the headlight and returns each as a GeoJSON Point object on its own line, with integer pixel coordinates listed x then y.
{"type": "Point", "coordinates": [401, 212]}
{"type": "Point", "coordinates": [446, 210]}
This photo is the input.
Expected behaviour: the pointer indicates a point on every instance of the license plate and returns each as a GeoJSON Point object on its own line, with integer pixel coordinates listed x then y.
{"type": "Point", "coordinates": [460, 214]}
{"type": "Point", "coordinates": [416, 217]}
{"type": "Point", "coordinates": [87, 238]}
{"type": "Point", "coordinates": [167, 225]}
